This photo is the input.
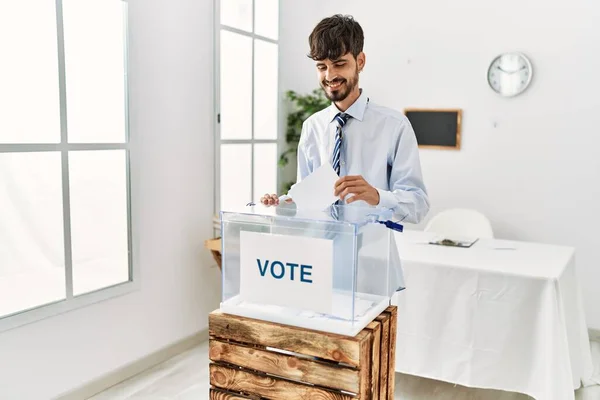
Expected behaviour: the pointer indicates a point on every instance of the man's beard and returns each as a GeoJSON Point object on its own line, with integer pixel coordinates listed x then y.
{"type": "Point", "coordinates": [343, 92]}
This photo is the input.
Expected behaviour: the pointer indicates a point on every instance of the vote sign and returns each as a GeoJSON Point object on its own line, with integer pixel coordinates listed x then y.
{"type": "Point", "coordinates": [287, 271]}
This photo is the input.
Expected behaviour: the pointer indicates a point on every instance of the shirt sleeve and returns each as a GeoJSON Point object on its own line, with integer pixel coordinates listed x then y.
{"type": "Point", "coordinates": [304, 165]}
{"type": "Point", "coordinates": [407, 196]}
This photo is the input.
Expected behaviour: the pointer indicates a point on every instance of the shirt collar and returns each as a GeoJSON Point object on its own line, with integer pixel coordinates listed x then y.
{"type": "Point", "coordinates": [356, 110]}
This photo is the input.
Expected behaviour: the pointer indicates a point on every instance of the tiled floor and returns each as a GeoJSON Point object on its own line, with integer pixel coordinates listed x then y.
{"type": "Point", "coordinates": [185, 377]}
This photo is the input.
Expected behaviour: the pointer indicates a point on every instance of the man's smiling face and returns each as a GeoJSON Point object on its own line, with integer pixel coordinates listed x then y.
{"type": "Point", "coordinates": [339, 77]}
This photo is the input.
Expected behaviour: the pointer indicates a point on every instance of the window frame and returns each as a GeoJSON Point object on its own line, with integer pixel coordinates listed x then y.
{"type": "Point", "coordinates": [71, 302]}
{"type": "Point", "coordinates": [217, 105]}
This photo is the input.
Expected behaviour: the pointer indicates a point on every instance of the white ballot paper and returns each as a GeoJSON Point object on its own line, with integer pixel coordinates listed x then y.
{"type": "Point", "coordinates": [315, 192]}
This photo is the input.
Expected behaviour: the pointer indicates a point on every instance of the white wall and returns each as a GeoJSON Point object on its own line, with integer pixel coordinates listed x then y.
{"type": "Point", "coordinates": [172, 141]}
{"type": "Point", "coordinates": [536, 174]}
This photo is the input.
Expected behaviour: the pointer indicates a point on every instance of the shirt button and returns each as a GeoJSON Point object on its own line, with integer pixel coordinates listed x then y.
{"type": "Point", "coordinates": [342, 162]}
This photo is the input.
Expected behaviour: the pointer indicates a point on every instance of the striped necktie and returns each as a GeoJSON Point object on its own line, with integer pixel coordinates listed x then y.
{"type": "Point", "coordinates": [340, 119]}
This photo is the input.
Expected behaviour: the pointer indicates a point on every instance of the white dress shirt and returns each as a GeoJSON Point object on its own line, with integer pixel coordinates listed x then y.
{"type": "Point", "coordinates": [378, 143]}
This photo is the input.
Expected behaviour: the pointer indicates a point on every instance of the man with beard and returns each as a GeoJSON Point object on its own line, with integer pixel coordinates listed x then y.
{"type": "Point", "coordinates": [372, 148]}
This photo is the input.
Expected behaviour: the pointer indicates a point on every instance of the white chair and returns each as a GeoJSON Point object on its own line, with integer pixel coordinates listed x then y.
{"type": "Point", "coordinates": [461, 222]}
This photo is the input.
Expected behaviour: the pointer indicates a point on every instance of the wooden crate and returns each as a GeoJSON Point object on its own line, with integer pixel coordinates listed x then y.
{"type": "Point", "coordinates": [308, 365]}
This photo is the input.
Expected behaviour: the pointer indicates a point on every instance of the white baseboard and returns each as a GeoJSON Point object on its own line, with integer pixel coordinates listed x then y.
{"type": "Point", "coordinates": [112, 378]}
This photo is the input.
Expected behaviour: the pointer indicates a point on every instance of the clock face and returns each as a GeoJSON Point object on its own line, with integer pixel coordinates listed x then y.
{"type": "Point", "coordinates": [510, 74]}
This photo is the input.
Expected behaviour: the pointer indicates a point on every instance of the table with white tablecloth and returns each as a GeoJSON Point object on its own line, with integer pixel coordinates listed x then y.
{"type": "Point", "coordinates": [501, 314]}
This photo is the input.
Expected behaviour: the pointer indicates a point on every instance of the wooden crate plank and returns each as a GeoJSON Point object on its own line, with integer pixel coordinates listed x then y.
{"type": "Point", "coordinates": [216, 394]}
{"type": "Point", "coordinates": [365, 373]}
{"type": "Point", "coordinates": [375, 328]}
{"type": "Point", "coordinates": [240, 380]}
{"type": "Point", "coordinates": [393, 310]}
{"type": "Point", "coordinates": [384, 319]}
{"type": "Point", "coordinates": [298, 369]}
{"type": "Point", "coordinates": [325, 345]}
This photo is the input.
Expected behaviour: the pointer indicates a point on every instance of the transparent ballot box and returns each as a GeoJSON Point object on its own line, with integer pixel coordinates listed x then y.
{"type": "Point", "coordinates": [333, 270]}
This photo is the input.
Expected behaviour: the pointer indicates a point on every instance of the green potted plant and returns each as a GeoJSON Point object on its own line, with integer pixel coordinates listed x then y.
{"type": "Point", "coordinates": [304, 105]}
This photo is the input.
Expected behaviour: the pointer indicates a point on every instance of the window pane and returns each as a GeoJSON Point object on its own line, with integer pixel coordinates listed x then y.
{"type": "Point", "coordinates": [236, 169]}
{"type": "Point", "coordinates": [237, 14]}
{"type": "Point", "coordinates": [32, 266]}
{"type": "Point", "coordinates": [267, 18]}
{"type": "Point", "coordinates": [265, 90]}
{"type": "Point", "coordinates": [265, 169]}
{"type": "Point", "coordinates": [29, 96]}
{"type": "Point", "coordinates": [236, 86]}
{"type": "Point", "coordinates": [95, 70]}
{"type": "Point", "coordinates": [99, 227]}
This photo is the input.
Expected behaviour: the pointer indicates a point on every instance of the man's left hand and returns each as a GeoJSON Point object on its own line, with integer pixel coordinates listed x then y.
{"type": "Point", "coordinates": [356, 185]}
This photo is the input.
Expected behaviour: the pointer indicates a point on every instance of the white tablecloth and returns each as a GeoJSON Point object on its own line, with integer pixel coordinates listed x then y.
{"type": "Point", "coordinates": [500, 315]}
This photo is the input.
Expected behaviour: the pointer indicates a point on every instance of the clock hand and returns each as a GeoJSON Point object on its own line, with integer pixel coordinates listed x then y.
{"type": "Point", "coordinates": [510, 72]}
{"type": "Point", "coordinates": [517, 70]}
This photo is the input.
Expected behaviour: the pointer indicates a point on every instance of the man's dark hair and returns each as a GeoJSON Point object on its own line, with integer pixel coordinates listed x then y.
{"type": "Point", "coordinates": [335, 36]}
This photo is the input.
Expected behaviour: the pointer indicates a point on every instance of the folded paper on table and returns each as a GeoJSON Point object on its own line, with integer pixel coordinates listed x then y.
{"type": "Point", "coordinates": [464, 242]}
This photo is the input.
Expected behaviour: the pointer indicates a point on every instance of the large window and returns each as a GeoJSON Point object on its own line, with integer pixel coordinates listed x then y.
{"type": "Point", "coordinates": [64, 155]}
{"type": "Point", "coordinates": [247, 100]}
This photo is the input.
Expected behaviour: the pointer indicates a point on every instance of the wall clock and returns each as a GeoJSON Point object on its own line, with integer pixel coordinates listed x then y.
{"type": "Point", "coordinates": [510, 74]}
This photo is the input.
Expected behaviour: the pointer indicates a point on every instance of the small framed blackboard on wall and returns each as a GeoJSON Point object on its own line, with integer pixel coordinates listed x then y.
{"type": "Point", "coordinates": [436, 128]}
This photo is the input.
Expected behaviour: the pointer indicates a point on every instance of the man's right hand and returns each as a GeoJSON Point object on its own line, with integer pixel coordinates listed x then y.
{"type": "Point", "coordinates": [270, 200]}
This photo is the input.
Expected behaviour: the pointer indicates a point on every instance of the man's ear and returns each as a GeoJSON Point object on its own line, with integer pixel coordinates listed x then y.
{"type": "Point", "coordinates": [361, 59]}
